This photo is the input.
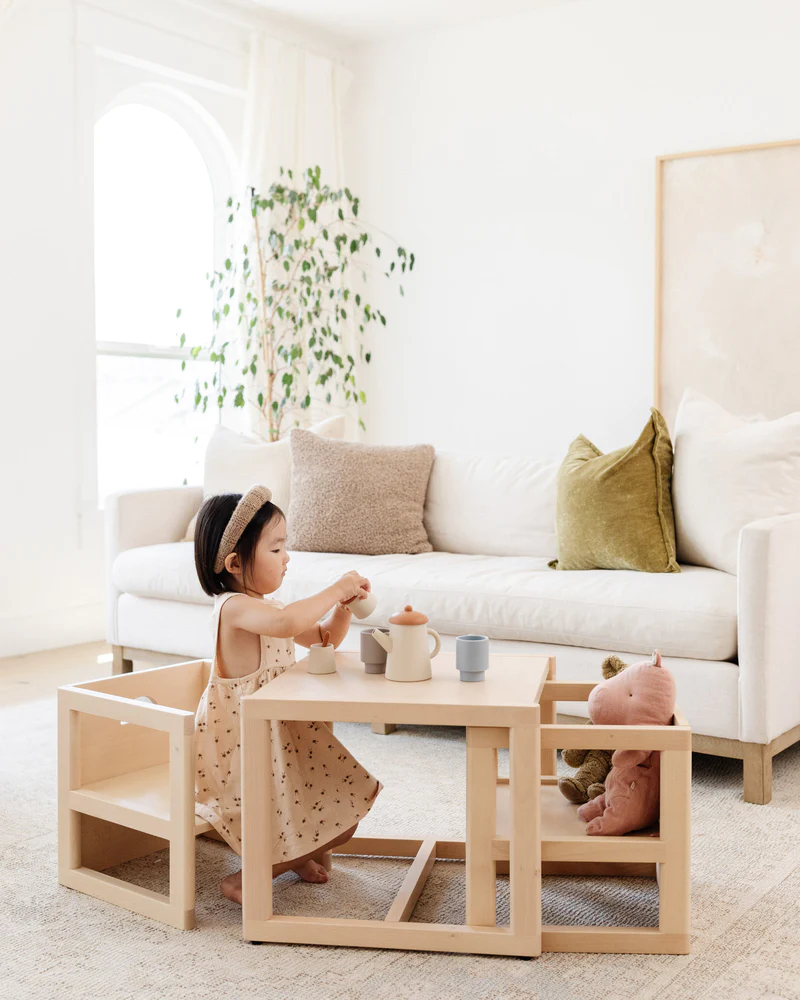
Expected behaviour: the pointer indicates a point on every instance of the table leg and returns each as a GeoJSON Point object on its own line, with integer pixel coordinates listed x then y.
{"type": "Point", "coordinates": [548, 715]}
{"type": "Point", "coordinates": [481, 831]}
{"type": "Point", "coordinates": [676, 832]}
{"type": "Point", "coordinates": [256, 819]}
{"type": "Point", "coordinates": [525, 842]}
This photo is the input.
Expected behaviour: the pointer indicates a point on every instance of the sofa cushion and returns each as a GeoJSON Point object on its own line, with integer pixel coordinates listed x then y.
{"type": "Point", "coordinates": [359, 498]}
{"type": "Point", "coordinates": [614, 511]}
{"type": "Point", "coordinates": [690, 614]}
{"type": "Point", "coordinates": [708, 690]}
{"type": "Point", "coordinates": [728, 473]}
{"type": "Point", "coordinates": [491, 505]}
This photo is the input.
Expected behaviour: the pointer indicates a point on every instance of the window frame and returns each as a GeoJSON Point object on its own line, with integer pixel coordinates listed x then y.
{"type": "Point", "coordinates": [220, 161]}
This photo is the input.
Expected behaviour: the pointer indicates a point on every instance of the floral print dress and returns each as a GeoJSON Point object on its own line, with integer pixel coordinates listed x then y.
{"type": "Point", "coordinates": [319, 789]}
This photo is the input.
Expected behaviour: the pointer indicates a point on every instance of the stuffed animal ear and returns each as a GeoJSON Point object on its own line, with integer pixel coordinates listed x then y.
{"type": "Point", "coordinates": [656, 658]}
{"type": "Point", "coordinates": [612, 665]}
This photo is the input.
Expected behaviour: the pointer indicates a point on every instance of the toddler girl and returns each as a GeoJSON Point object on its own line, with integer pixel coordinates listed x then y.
{"type": "Point", "coordinates": [320, 792]}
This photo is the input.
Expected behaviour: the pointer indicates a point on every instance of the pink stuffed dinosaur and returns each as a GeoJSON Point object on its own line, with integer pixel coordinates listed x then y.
{"type": "Point", "coordinates": [642, 695]}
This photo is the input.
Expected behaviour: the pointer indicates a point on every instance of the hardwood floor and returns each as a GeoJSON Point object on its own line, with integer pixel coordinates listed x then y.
{"type": "Point", "coordinates": [38, 675]}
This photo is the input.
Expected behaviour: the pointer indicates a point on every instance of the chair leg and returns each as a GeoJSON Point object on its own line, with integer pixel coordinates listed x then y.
{"type": "Point", "coordinates": [181, 843]}
{"type": "Point", "coordinates": [121, 665]}
{"type": "Point", "coordinates": [757, 773]}
{"type": "Point", "coordinates": [69, 821]}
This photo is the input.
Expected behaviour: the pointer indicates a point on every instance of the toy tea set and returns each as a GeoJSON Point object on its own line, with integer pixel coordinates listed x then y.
{"type": "Point", "coordinates": [402, 652]}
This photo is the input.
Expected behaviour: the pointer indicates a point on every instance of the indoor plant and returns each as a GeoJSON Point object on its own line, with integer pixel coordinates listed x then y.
{"type": "Point", "coordinates": [290, 302]}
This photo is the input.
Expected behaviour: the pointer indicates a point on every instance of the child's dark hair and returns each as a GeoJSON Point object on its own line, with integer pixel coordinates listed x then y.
{"type": "Point", "coordinates": [212, 519]}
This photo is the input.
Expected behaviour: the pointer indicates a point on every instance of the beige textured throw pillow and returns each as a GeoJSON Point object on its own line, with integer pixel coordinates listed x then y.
{"type": "Point", "coordinates": [358, 498]}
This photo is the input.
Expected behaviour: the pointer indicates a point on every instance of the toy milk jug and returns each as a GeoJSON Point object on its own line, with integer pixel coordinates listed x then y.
{"type": "Point", "coordinates": [407, 645]}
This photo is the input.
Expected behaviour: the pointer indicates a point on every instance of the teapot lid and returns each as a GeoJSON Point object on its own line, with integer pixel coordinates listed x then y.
{"type": "Point", "coordinates": [408, 616]}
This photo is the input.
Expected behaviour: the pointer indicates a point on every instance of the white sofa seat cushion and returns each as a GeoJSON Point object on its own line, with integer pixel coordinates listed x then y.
{"type": "Point", "coordinates": [689, 614]}
{"type": "Point", "coordinates": [708, 691]}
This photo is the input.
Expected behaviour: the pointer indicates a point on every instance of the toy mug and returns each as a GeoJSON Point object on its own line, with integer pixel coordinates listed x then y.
{"type": "Point", "coordinates": [362, 607]}
{"type": "Point", "coordinates": [373, 655]}
{"type": "Point", "coordinates": [322, 659]}
{"type": "Point", "coordinates": [472, 657]}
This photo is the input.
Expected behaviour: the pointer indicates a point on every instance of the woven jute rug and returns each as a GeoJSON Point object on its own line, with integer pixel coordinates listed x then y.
{"type": "Point", "coordinates": [55, 942]}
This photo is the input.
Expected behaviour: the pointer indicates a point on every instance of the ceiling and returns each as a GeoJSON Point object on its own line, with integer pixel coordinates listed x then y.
{"type": "Point", "coordinates": [358, 21]}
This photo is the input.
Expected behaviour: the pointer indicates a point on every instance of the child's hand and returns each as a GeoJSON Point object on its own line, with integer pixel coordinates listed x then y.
{"type": "Point", "coordinates": [351, 586]}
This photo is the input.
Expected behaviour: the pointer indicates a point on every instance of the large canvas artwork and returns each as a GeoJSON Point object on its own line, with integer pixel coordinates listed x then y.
{"type": "Point", "coordinates": [728, 278]}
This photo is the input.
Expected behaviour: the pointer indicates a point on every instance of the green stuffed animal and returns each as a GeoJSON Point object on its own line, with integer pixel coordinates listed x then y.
{"type": "Point", "coordinates": [593, 765]}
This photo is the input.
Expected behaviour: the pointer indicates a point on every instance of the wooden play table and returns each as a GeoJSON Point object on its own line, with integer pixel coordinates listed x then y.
{"type": "Point", "coordinates": [520, 825]}
{"type": "Point", "coordinates": [505, 704]}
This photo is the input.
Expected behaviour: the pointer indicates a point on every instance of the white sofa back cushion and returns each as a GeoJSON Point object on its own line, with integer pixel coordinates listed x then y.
{"type": "Point", "coordinates": [236, 461]}
{"type": "Point", "coordinates": [729, 472]}
{"type": "Point", "coordinates": [491, 505]}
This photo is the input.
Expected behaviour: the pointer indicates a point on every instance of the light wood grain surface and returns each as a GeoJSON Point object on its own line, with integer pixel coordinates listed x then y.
{"type": "Point", "coordinates": [511, 689]}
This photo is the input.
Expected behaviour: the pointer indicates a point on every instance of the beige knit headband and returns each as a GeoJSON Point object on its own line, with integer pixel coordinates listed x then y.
{"type": "Point", "coordinates": [246, 509]}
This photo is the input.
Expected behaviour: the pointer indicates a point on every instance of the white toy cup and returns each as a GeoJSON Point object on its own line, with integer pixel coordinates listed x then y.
{"type": "Point", "coordinates": [362, 607]}
{"type": "Point", "coordinates": [322, 659]}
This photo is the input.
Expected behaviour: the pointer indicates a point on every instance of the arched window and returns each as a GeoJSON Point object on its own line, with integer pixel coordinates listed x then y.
{"type": "Point", "coordinates": [154, 243]}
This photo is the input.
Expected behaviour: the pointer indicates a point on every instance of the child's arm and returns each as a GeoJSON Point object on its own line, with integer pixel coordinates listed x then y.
{"type": "Point", "coordinates": [337, 623]}
{"type": "Point", "coordinates": [255, 615]}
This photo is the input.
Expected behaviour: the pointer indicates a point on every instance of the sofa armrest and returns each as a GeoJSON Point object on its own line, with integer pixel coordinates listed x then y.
{"type": "Point", "coordinates": [143, 517]}
{"type": "Point", "coordinates": [149, 517]}
{"type": "Point", "coordinates": [769, 628]}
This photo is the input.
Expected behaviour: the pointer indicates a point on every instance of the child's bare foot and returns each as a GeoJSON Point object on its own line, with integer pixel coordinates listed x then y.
{"type": "Point", "coordinates": [232, 888]}
{"type": "Point", "coordinates": [311, 871]}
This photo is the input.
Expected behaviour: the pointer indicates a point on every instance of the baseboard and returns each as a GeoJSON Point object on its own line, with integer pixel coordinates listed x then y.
{"type": "Point", "coordinates": [52, 629]}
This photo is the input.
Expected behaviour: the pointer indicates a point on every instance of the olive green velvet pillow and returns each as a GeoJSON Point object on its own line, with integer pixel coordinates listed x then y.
{"type": "Point", "coordinates": [615, 511]}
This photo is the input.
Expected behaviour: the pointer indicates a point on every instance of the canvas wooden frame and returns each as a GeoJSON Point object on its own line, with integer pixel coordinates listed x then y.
{"type": "Point", "coordinates": [662, 292]}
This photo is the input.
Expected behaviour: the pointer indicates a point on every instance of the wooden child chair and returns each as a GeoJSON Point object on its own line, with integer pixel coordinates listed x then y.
{"type": "Point", "coordinates": [126, 785]}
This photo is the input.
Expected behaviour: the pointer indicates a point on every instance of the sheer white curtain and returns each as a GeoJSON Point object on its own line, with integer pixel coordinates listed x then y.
{"type": "Point", "coordinates": [292, 120]}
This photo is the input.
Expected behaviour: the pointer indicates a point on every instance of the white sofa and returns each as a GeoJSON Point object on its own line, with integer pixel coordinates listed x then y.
{"type": "Point", "coordinates": [732, 642]}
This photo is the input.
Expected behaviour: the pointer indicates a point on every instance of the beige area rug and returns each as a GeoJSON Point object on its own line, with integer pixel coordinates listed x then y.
{"type": "Point", "coordinates": [55, 942]}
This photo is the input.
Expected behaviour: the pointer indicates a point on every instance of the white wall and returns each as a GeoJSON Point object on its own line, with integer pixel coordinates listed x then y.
{"type": "Point", "coordinates": [516, 157]}
{"type": "Point", "coordinates": [61, 62]}
{"type": "Point", "coordinates": [48, 572]}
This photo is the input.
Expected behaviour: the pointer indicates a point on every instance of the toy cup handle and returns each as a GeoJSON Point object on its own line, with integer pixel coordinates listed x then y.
{"type": "Point", "coordinates": [437, 642]}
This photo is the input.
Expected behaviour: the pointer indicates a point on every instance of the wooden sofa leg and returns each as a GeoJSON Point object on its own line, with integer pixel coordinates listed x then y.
{"type": "Point", "coordinates": [120, 664]}
{"type": "Point", "coordinates": [383, 728]}
{"type": "Point", "coordinates": [757, 773]}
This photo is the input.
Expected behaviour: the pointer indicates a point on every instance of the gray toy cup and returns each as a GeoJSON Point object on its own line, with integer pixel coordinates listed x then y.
{"type": "Point", "coordinates": [472, 657]}
{"type": "Point", "coordinates": [373, 655]}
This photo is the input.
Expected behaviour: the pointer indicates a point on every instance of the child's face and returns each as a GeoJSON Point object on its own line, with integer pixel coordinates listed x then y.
{"type": "Point", "coordinates": [270, 559]}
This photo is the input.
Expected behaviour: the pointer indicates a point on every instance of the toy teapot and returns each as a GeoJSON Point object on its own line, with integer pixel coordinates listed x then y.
{"type": "Point", "coordinates": [407, 645]}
